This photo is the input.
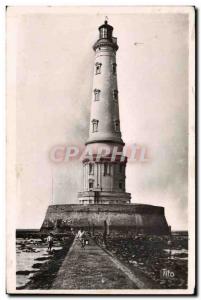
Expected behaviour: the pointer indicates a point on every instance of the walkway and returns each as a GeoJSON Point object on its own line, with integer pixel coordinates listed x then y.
{"type": "Point", "coordinates": [93, 268]}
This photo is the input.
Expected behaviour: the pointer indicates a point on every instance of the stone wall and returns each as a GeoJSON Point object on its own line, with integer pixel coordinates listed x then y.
{"type": "Point", "coordinates": [136, 218]}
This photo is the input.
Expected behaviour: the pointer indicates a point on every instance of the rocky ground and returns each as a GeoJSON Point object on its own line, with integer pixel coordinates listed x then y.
{"type": "Point", "coordinates": [153, 256]}
{"type": "Point", "coordinates": [163, 259]}
{"type": "Point", "coordinates": [37, 267]}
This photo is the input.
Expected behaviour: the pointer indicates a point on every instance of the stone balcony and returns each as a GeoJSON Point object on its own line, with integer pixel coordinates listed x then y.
{"type": "Point", "coordinates": [103, 197]}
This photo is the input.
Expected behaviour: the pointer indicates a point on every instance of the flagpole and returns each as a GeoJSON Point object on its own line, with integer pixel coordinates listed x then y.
{"type": "Point", "coordinates": [52, 186]}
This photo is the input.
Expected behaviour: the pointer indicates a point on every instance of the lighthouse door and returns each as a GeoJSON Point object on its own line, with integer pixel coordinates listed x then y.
{"type": "Point", "coordinates": [96, 199]}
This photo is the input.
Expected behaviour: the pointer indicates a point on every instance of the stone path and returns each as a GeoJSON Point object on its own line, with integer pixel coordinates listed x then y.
{"type": "Point", "coordinates": [93, 268]}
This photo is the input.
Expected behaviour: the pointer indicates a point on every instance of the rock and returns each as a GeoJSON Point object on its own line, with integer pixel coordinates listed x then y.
{"type": "Point", "coordinates": [36, 266]}
{"type": "Point", "coordinates": [42, 258]}
{"type": "Point", "coordinates": [26, 272]}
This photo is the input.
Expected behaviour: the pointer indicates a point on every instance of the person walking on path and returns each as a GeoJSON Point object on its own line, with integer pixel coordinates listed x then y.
{"type": "Point", "coordinates": [81, 235]}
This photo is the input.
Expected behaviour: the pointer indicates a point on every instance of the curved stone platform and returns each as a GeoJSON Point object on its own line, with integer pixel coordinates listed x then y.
{"type": "Point", "coordinates": [131, 218]}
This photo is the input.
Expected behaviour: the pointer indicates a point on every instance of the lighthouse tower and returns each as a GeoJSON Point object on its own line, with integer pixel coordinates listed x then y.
{"type": "Point", "coordinates": [104, 166]}
{"type": "Point", "coordinates": [103, 201]}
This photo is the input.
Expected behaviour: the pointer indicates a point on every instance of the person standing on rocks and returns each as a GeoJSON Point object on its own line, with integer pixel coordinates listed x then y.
{"type": "Point", "coordinates": [50, 242]}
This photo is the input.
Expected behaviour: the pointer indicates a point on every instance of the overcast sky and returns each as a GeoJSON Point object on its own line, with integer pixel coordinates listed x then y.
{"type": "Point", "coordinates": [54, 85]}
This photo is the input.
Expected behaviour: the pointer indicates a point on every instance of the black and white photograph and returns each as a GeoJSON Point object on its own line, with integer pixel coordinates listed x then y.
{"type": "Point", "coordinates": [100, 150]}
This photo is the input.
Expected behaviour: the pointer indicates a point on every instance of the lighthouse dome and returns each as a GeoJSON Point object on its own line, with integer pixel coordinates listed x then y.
{"type": "Point", "coordinates": [105, 31]}
{"type": "Point", "coordinates": [105, 37]}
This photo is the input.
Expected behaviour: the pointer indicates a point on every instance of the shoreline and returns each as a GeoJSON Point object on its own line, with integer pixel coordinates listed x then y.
{"type": "Point", "coordinates": [144, 256]}
{"type": "Point", "coordinates": [47, 271]}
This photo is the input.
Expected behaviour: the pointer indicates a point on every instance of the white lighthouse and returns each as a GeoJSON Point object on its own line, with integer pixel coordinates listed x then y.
{"type": "Point", "coordinates": [104, 204]}
{"type": "Point", "coordinates": [104, 171]}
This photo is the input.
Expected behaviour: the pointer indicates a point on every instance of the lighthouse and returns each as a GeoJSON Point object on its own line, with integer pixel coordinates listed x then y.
{"type": "Point", "coordinates": [104, 166]}
{"type": "Point", "coordinates": [104, 205]}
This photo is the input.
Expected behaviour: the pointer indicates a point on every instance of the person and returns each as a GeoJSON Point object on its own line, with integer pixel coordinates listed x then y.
{"type": "Point", "coordinates": [50, 242]}
{"type": "Point", "coordinates": [81, 236]}
{"type": "Point", "coordinates": [72, 231]}
{"type": "Point", "coordinates": [169, 242]}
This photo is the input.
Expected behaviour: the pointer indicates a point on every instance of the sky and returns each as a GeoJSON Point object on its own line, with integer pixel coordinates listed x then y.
{"type": "Point", "coordinates": [54, 74]}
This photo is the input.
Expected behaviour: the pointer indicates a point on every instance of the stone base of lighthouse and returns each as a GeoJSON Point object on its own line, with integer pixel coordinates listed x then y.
{"type": "Point", "coordinates": [122, 218]}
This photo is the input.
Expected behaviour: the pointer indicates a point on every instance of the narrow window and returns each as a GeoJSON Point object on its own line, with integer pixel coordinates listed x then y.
{"type": "Point", "coordinates": [106, 169]}
{"type": "Point", "coordinates": [91, 185]}
{"type": "Point", "coordinates": [120, 168]}
{"type": "Point", "coordinates": [96, 95]}
{"type": "Point", "coordinates": [91, 169]}
{"type": "Point", "coordinates": [115, 95]}
{"type": "Point", "coordinates": [120, 185]}
{"type": "Point", "coordinates": [114, 68]}
{"type": "Point", "coordinates": [103, 33]}
{"type": "Point", "coordinates": [117, 125]}
{"type": "Point", "coordinates": [98, 68]}
{"type": "Point", "coordinates": [94, 125]}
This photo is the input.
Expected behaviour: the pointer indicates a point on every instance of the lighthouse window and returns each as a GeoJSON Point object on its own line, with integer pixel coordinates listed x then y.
{"type": "Point", "coordinates": [114, 68]}
{"type": "Point", "coordinates": [94, 125]}
{"type": "Point", "coordinates": [98, 68]}
{"type": "Point", "coordinates": [115, 95]}
{"type": "Point", "coordinates": [91, 169]}
{"type": "Point", "coordinates": [96, 95]}
{"type": "Point", "coordinates": [103, 33]}
{"type": "Point", "coordinates": [116, 125]}
{"type": "Point", "coordinates": [91, 185]}
{"type": "Point", "coordinates": [106, 169]}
